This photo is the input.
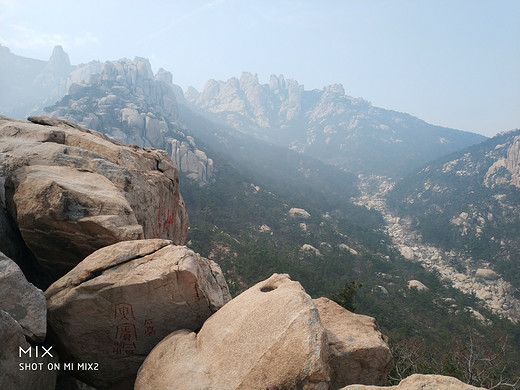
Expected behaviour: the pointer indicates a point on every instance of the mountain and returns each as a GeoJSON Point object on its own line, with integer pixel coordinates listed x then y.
{"type": "Point", "coordinates": [327, 124]}
{"type": "Point", "coordinates": [28, 85]}
{"type": "Point", "coordinates": [468, 202]}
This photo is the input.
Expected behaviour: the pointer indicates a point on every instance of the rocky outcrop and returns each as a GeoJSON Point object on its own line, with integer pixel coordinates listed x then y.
{"type": "Point", "coordinates": [21, 367]}
{"type": "Point", "coordinates": [24, 302]}
{"type": "Point", "coordinates": [274, 335]}
{"type": "Point", "coordinates": [358, 352]}
{"type": "Point", "coordinates": [417, 285]}
{"type": "Point", "coordinates": [423, 382]}
{"type": "Point", "coordinates": [513, 162]}
{"type": "Point", "coordinates": [120, 301]}
{"type": "Point", "coordinates": [299, 213]}
{"type": "Point", "coordinates": [506, 169]}
{"type": "Point", "coordinates": [269, 335]}
{"type": "Point", "coordinates": [192, 161]}
{"type": "Point", "coordinates": [122, 99]}
{"type": "Point", "coordinates": [71, 191]}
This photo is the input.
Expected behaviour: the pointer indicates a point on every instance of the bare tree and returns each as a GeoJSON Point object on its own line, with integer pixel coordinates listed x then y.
{"type": "Point", "coordinates": [469, 361]}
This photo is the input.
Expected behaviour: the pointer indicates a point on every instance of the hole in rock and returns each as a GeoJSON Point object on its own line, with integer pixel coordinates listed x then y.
{"type": "Point", "coordinates": [267, 288]}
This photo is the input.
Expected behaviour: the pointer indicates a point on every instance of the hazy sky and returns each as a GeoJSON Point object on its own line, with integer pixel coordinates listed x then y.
{"type": "Point", "coordinates": [454, 63]}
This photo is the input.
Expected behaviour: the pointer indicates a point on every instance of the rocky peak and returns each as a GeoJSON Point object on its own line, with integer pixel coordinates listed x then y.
{"type": "Point", "coordinates": [59, 61]}
{"type": "Point", "coordinates": [277, 83]}
{"type": "Point", "coordinates": [333, 91]}
{"type": "Point", "coordinates": [248, 80]}
{"type": "Point", "coordinates": [123, 99]}
{"type": "Point", "coordinates": [56, 70]}
{"type": "Point", "coordinates": [164, 76]}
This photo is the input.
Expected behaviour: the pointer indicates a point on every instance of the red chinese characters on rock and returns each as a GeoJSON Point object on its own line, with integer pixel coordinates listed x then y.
{"type": "Point", "coordinates": [123, 310]}
{"type": "Point", "coordinates": [148, 327]}
{"type": "Point", "coordinates": [128, 328]}
{"type": "Point", "coordinates": [125, 332]}
{"type": "Point", "coordinates": [165, 218]}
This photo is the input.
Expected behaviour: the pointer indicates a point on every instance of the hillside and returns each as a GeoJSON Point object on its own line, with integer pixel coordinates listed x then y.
{"type": "Point", "coordinates": [468, 202]}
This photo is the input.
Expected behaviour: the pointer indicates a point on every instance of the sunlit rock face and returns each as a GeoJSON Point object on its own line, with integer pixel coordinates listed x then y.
{"type": "Point", "coordinates": [70, 191]}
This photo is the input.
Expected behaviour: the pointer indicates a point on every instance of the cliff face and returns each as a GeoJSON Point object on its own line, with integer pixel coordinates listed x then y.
{"type": "Point", "coordinates": [126, 101]}
{"type": "Point", "coordinates": [123, 99]}
{"type": "Point", "coordinates": [328, 124]}
{"type": "Point", "coordinates": [506, 169]}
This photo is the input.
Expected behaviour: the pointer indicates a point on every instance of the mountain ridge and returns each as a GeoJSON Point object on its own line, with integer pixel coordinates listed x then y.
{"type": "Point", "coordinates": [327, 124]}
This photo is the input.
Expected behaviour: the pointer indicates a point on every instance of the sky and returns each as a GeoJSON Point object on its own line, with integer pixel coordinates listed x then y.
{"type": "Point", "coordinates": [454, 63]}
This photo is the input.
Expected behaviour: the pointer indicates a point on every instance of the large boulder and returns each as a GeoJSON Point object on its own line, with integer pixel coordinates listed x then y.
{"type": "Point", "coordinates": [24, 302]}
{"type": "Point", "coordinates": [21, 366]}
{"type": "Point", "coordinates": [423, 382]}
{"type": "Point", "coordinates": [270, 335]}
{"type": "Point", "coordinates": [84, 191]}
{"type": "Point", "coordinates": [64, 214]}
{"type": "Point", "coordinates": [358, 352]}
{"type": "Point", "coordinates": [120, 301]}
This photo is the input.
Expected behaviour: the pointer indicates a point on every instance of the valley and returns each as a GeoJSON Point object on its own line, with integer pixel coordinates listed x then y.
{"type": "Point", "coordinates": [454, 267]}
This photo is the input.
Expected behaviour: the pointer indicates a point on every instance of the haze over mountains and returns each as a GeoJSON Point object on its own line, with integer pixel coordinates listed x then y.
{"type": "Point", "coordinates": [327, 124]}
{"type": "Point", "coordinates": [280, 179]}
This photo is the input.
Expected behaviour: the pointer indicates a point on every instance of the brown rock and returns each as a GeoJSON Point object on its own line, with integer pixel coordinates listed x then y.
{"type": "Point", "coordinates": [422, 382]}
{"type": "Point", "coordinates": [357, 350]}
{"type": "Point", "coordinates": [24, 302]}
{"type": "Point", "coordinates": [85, 189]}
{"type": "Point", "coordinates": [270, 335]}
{"type": "Point", "coordinates": [119, 302]}
{"type": "Point", "coordinates": [64, 214]}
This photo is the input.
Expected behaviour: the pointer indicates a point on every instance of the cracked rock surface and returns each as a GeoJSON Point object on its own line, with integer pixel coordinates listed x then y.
{"type": "Point", "coordinates": [70, 191]}
{"type": "Point", "coordinates": [119, 302]}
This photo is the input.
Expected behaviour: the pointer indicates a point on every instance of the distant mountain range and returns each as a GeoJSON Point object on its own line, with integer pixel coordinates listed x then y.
{"type": "Point", "coordinates": [327, 124]}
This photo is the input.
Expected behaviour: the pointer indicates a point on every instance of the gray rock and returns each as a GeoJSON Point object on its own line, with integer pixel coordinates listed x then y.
{"type": "Point", "coordinates": [21, 366]}
{"type": "Point", "coordinates": [24, 302]}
